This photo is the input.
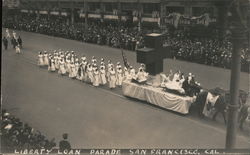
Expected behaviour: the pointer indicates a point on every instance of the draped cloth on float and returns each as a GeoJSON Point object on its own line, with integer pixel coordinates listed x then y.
{"type": "Point", "coordinates": [157, 97]}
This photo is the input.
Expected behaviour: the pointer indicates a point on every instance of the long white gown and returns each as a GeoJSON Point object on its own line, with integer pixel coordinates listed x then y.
{"type": "Point", "coordinates": [90, 74]}
{"type": "Point", "coordinates": [45, 59]}
{"type": "Point", "coordinates": [72, 70]}
{"type": "Point", "coordinates": [103, 76]}
{"type": "Point", "coordinates": [76, 68]}
{"type": "Point", "coordinates": [96, 81]}
{"type": "Point", "coordinates": [40, 60]}
{"type": "Point", "coordinates": [52, 68]}
{"type": "Point", "coordinates": [56, 62]}
{"type": "Point", "coordinates": [62, 69]}
{"type": "Point", "coordinates": [119, 77]}
{"type": "Point", "coordinates": [112, 80]}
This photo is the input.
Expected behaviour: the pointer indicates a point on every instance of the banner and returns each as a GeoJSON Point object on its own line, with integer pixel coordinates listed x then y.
{"type": "Point", "coordinates": [64, 13]}
{"type": "Point", "coordinates": [176, 19]}
{"type": "Point", "coordinates": [24, 11]}
{"type": "Point", "coordinates": [94, 16]}
{"type": "Point", "coordinates": [82, 15]}
{"type": "Point", "coordinates": [110, 17]}
{"type": "Point", "coordinates": [149, 19]}
{"type": "Point", "coordinates": [43, 12]}
{"type": "Point", "coordinates": [54, 13]}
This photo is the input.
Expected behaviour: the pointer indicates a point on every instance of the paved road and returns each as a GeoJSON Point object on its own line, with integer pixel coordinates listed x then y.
{"type": "Point", "coordinates": [98, 117]}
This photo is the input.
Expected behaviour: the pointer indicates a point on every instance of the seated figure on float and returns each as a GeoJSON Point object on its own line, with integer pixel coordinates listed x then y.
{"type": "Point", "coordinates": [141, 76]}
{"type": "Point", "coordinates": [175, 84]}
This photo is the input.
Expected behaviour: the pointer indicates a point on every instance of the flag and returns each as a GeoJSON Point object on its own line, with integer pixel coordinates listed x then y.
{"type": "Point", "coordinates": [125, 62]}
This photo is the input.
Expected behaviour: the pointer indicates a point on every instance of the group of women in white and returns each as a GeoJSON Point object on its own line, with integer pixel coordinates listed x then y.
{"type": "Point", "coordinates": [176, 80]}
{"type": "Point", "coordinates": [67, 63]}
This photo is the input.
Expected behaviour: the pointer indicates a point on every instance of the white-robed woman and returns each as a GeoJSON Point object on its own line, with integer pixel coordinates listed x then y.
{"type": "Point", "coordinates": [61, 69]}
{"type": "Point", "coordinates": [56, 59]}
{"type": "Point", "coordinates": [72, 70]}
{"type": "Point", "coordinates": [103, 79]}
{"type": "Point", "coordinates": [126, 73]}
{"type": "Point", "coordinates": [40, 59]}
{"type": "Point", "coordinates": [67, 64]}
{"type": "Point", "coordinates": [84, 69]}
{"type": "Point", "coordinates": [96, 81]}
{"type": "Point", "coordinates": [90, 73]}
{"type": "Point", "coordinates": [76, 67]}
{"type": "Point", "coordinates": [52, 67]}
{"type": "Point", "coordinates": [119, 76]}
{"type": "Point", "coordinates": [112, 80]}
{"type": "Point", "coordinates": [49, 65]}
{"type": "Point", "coordinates": [45, 58]}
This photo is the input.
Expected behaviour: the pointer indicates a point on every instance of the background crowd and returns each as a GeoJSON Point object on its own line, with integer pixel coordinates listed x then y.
{"type": "Point", "coordinates": [16, 134]}
{"type": "Point", "coordinates": [204, 50]}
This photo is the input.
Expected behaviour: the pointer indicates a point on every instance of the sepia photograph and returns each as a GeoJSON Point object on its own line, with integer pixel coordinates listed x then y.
{"type": "Point", "coordinates": [134, 77]}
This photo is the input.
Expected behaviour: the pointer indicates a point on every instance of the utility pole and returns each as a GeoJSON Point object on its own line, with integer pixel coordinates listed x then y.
{"type": "Point", "coordinates": [236, 14]}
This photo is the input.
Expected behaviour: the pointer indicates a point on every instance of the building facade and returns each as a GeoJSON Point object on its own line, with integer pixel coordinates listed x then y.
{"type": "Point", "coordinates": [152, 11]}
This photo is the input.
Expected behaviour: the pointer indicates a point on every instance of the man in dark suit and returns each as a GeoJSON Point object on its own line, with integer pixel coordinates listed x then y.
{"type": "Point", "coordinates": [64, 144]}
{"type": "Point", "coordinates": [5, 43]}
{"type": "Point", "coordinates": [20, 42]}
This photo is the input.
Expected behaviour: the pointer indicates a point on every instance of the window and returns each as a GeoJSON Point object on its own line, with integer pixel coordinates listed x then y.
{"type": "Point", "coordinates": [148, 8]}
{"type": "Point", "coordinates": [174, 9]}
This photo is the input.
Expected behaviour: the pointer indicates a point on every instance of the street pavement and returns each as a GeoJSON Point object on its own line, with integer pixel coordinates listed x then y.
{"type": "Point", "coordinates": [98, 117]}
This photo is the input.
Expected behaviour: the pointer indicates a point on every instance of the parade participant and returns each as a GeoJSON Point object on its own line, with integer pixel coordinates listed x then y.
{"type": "Point", "coordinates": [45, 58]}
{"type": "Point", "coordinates": [40, 59]}
{"type": "Point", "coordinates": [112, 80]}
{"type": "Point", "coordinates": [126, 73]}
{"type": "Point", "coordinates": [20, 42]}
{"type": "Point", "coordinates": [84, 68]}
{"type": "Point", "coordinates": [76, 66]}
{"type": "Point", "coordinates": [14, 34]}
{"type": "Point", "coordinates": [72, 56]}
{"type": "Point", "coordinates": [94, 66]}
{"type": "Point", "coordinates": [176, 76]}
{"type": "Point", "coordinates": [49, 64]}
{"type": "Point", "coordinates": [142, 76]}
{"type": "Point", "coordinates": [13, 42]}
{"type": "Point", "coordinates": [96, 81]}
{"type": "Point", "coordinates": [119, 75]}
{"type": "Point", "coordinates": [56, 59]}
{"type": "Point", "coordinates": [72, 70]}
{"type": "Point", "coordinates": [7, 33]}
{"type": "Point", "coordinates": [102, 61]}
{"type": "Point", "coordinates": [67, 64]}
{"type": "Point", "coordinates": [53, 67]}
{"type": "Point", "coordinates": [132, 74]}
{"type": "Point", "coordinates": [103, 74]}
{"type": "Point", "coordinates": [90, 73]}
{"type": "Point", "coordinates": [109, 67]}
{"type": "Point", "coordinates": [79, 75]}
{"type": "Point", "coordinates": [5, 43]}
{"type": "Point", "coordinates": [62, 69]}
{"type": "Point", "coordinates": [18, 50]}
{"type": "Point", "coordinates": [109, 64]}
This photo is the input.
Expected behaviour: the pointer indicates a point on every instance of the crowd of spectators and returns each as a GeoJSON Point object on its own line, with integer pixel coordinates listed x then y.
{"type": "Point", "coordinates": [203, 50]}
{"type": "Point", "coordinates": [209, 51]}
{"type": "Point", "coordinates": [102, 33]}
{"type": "Point", "coordinates": [18, 135]}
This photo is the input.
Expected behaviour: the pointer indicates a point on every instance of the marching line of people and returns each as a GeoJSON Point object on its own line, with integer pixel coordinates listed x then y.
{"type": "Point", "coordinates": [15, 41]}
{"type": "Point", "coordinates": [67, 63]}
